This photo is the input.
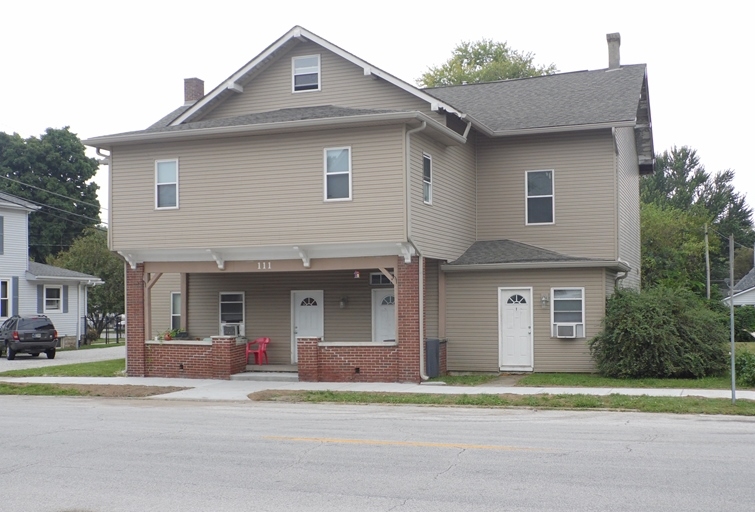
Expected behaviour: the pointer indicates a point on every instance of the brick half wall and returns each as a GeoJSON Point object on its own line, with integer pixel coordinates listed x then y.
{"type": "Point", "coordinates": [347, 362]}
{"type": "Point", "coordinates": [218, 359]}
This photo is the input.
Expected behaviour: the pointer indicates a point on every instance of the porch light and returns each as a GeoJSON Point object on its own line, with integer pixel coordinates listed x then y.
{"type": "Point", "coordinates": [344, 302]}
{"type": "Point", "coordinates": [544, 301]}
{"type": "Point", "coordinates": [356, 274]}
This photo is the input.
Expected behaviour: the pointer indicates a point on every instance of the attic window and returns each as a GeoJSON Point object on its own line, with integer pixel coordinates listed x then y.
{"type": "Point", "coordinates": [306, 73]}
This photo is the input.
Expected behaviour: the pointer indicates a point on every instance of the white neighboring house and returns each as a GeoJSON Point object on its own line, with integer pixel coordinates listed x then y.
{"type": "Point", "coordinates": [744, 290]}
{"type": "Point", "coordinates": [27, 287]}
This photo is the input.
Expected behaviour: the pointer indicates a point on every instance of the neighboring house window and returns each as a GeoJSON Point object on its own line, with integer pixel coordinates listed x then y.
{"type": "Point", "coordinates": [166, 184]}
{"type": "Point", "coordinates": [53, 299]}
{"type": "Point", "coordinates": [568, 312]}
{"type": "Point", "coordinates": [337, 174]}
{"type": "Point", "coordinates": [539, 197]}
{"type": "Point", "coordinates": [4, 298]}
{"type": "Point", "coordinates": [427, 178]}
{"type": "Point", "coordinates": [175, 310]}
{"type": "Point", "coordinates": [232, 309]}
{"type": "Point", "coordinates": [306, 73]}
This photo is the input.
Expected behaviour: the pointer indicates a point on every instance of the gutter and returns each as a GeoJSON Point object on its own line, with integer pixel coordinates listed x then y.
{"type": "Point", "coordinates": [616, 265]}
{"type": "Point", "coordinates": [407, 164]}
{"type": "Point", "coordinates": [386, 118]}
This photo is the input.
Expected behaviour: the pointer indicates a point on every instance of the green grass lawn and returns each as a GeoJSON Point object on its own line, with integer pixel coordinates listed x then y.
{"type": "Point", "coordinates": [7, 388]}
{"type": "Point", "coordinates": [687, 405]}
{"type": "Point", "coordinates": [112, 368]}
{"type": "Point", "coordinates": [97, 344]}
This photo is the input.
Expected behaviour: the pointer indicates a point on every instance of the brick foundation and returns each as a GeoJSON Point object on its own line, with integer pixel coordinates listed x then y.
{"type": "Point", "coordinates": [218, 360]}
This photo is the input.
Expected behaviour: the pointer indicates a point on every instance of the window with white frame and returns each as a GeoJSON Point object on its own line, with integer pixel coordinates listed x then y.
{"type": "Point", "coordinates": [53, 299]}
{"type": "Point", "coordinates": [338, 174]}
{"type": "Point", "coordinates": [568, 312]}
{"type": "Point", "coordinates": [379, 279]}
{"type": "Point", "coordinates": [427, 178]}
{"type": "Point", "coordinates": [540, 197]}
{"type": "Point", "coordinates": [166, 184]}
{"type": "Point", "coordinates": [306, 73]}
{"type": "Point", "coordinates": [5, 306]}
{"type": "Point", "coordinates": [175, 310]}
{"type": "Point", "coordinates": [232, 309]}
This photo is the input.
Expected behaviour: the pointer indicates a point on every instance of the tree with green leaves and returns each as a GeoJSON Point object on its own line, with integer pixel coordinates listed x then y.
{"type": "Point", "coordinates": [682, 187]}
{"type": "Point", "coordinates": [483, 61]}
{"type": "Point", "coordinates": [51, 171]}
{"type": "Point", "coordinates": [90, 254]}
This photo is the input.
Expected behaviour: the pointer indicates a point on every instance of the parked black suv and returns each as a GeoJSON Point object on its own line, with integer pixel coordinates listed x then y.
{"type": "Point", "coordinates": [32, 334]}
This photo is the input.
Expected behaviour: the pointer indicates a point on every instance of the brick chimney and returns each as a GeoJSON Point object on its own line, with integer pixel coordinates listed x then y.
{"type": "Point", "coordinates": [614, 42]}
{"type": "Point", "coordinates": [193, 90]}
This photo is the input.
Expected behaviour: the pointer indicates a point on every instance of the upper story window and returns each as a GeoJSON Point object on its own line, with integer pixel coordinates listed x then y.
{"type": "Point", "coordinates": [338, 174]}
{"type": "Point", "coordinates": [539, 197]}
{"type": "Point", "coordinates": [53, 299]}
{"type": "Point", "coordinates": [427, 178]}
{"type": "Point", "coordinates": [306, 73]}
{"type": "Point", "coordinates": [166, 184]}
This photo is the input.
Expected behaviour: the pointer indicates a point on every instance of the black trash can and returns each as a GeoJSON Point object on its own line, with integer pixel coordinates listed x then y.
{"type": "Point", "coordinates": [432, 357]}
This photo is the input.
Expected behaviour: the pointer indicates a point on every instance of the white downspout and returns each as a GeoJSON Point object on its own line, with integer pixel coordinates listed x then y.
{"type": "Point", "coordinates": [422, 373]}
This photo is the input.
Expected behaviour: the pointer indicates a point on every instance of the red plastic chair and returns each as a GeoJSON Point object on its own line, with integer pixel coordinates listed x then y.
{"type": "Point", "coordinates": [260, 353]}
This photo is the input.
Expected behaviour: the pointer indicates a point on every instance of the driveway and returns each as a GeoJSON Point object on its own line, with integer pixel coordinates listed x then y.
{"type": "Point", "coordinates": [24, 361]}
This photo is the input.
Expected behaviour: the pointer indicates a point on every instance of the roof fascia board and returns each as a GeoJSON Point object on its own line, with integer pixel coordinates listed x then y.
{"type": "Point", "coordinates": [15, 206]}
{"type": "Point", "coordinates": [616, 265]}
{"type": "Point", "coordinates": [298, 33]}
{"type": "Point", "coordinates": [562, 129]}
{"type": "Point", "coordinates": [367, 119]}
{"type": "Point", "coordinates": [88, 280]}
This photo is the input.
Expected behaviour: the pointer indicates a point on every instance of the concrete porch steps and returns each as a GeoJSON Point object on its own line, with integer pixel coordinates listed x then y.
{"type": "Point", "coordinates": [269, 373]}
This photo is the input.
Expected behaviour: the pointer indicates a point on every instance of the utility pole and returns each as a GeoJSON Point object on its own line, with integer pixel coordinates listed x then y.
{"type": "Point", "coordinates": [707, 263]}
{"type": "Point", "coordinates": [731, 320]}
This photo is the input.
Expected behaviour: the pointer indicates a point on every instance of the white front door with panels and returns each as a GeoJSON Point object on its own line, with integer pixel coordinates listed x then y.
{"type": "Point", "coordinates": [383, 314]}
{"type": "Point", "coordinates": [515, 326]}
{"type": "Point", "coordinates": [307, 316]}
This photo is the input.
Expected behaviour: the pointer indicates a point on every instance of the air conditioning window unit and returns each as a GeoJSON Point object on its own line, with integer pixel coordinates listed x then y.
{"type": "Point", "coordinates": [567, 330]}
{"type": "Point", "coordinates": [230, 330]}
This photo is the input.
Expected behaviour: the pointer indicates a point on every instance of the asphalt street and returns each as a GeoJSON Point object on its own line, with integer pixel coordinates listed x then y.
{"type": "Point", "coordinates": [87, 454]}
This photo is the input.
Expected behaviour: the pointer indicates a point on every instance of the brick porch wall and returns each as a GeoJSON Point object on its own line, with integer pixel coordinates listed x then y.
{"type": "Point", "coordinates": [223, 358]}
{"type": "Point", "coordinates": [363, 362]}
{"type": "Point", "coordinates": [135, 352]}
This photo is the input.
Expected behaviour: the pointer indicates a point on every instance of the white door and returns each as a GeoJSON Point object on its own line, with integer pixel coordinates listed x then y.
{"type": "Point", "coordinates": [515, 324]}
{"type": "Point", "coordinates": [383, 314]}
{"type": "Point", "coordinates": [307, 315]}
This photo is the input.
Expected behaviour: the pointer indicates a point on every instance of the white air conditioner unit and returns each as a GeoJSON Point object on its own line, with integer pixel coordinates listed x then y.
{"type": "Point", "coordinates": [566, 330]}
{"type": "Point", "coordinates": [230, 330]}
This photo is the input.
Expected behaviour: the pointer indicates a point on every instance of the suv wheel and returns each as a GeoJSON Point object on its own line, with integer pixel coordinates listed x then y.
{"type": "Point", "coordinates": [50, 353]}
{"type": "Point", "coordinates": [11, 355]}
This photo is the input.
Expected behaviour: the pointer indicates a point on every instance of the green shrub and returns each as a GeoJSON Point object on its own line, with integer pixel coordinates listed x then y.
{"type": "Point", "coordinates": [745, 365]}
{"type": "Point", "coordinates": [744, 323]}
{"type": "Point", "coordinates": [92, 335]}
{"type": "Point", "coordinates": [661, 332]}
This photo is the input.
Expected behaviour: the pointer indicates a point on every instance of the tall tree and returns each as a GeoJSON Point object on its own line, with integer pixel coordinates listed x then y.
{"type": "Point", "coordinates": [53, 172]}
{"type": "Point", "coordinates": [90, 254]}
{"type": "Point", "coordinates": [483, 61]}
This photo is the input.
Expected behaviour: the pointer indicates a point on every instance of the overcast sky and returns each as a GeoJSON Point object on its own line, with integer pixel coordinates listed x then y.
{"type": "Point", "coordinates": [105, 67]}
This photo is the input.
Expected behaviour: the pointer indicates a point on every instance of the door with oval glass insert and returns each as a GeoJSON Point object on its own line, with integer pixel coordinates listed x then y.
{"type": "Point", "coordinates": [515, 329]}
{"type": "Point", "coordinates": [306, 316]}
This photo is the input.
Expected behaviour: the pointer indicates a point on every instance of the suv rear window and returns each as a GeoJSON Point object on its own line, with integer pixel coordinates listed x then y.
{"type": "Point", "coordinates": [34, 324]}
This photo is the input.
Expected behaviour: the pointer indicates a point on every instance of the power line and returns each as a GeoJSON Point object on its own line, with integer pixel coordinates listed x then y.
{"type": "Point", "coordinates": [64, 211]}
{"type": "Point", "coordinates": [53, 193]}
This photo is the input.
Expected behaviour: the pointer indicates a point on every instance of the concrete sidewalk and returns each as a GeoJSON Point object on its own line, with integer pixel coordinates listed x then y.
{"type": "Point", "coordinates": [238, 390]}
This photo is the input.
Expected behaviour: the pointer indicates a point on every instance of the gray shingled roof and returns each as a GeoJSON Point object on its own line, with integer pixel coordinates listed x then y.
{"type": "Point", "coordinates": [509, 251]}
{"type": "Point", "coordinates": [746, 282]}
{"type": "Point", "coordinates": [273, 116]}
{"type": "Point", "coordinates": [566, 99]}
{"type": "Point", "coordinates": [17, 200]}
{"type": "Point", "coordinates": [42, 270]}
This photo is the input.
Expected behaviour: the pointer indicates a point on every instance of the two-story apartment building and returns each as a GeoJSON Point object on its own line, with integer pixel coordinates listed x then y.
{"type": "Point", "coordinates": [317, 200]}
{"type": "Point", "coordinates": [28, 287]}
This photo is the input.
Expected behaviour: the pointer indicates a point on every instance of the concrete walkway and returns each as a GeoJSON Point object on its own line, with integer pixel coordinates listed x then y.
{"type": "Point", "coordinates": [238, 390]}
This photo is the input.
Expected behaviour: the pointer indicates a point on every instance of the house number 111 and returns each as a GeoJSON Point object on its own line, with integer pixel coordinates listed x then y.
{"type": "Point", "coordinates": [264, 265]}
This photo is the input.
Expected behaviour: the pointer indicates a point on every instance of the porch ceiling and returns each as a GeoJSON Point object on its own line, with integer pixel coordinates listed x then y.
{"type": "Point", "coordinates": [304, 256]}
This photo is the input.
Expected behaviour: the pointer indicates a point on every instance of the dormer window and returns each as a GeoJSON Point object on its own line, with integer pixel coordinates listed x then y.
{"type": "Point", "coordinates": [306, 73]}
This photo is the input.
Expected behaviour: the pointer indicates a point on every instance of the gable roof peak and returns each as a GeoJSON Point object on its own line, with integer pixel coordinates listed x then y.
{"type": "Point", "coordinates": [235, 82]}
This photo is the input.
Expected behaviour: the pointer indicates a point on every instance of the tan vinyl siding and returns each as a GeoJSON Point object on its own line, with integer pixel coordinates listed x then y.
{"type": "Point", "coordinates": [610, 282]}
{"type": "Point", "coordinates": [268, 305]}
{"type": "Point", "coordinates": [445, 228]}
{"type": "Point", "coordinates": [431, 298]}
{"type": "Point", "coordinates": [585, 210]}
{"type": "Point", "coordinates": [629, 206]}
{"type": "Point", "coordinates": [265, 190]}
{"type": "Point", "coordinates": [160, 296]}
{"type": "Point", "coordinates": [472, 318]}
{"type": "Point", "coordinates": [342, 84]}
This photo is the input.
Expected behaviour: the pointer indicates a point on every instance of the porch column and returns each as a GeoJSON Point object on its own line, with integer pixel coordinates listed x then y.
{"type": "Point", "coordinates": [407, 319]}
{"type": "Point", "coordinates": [135, 352]}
